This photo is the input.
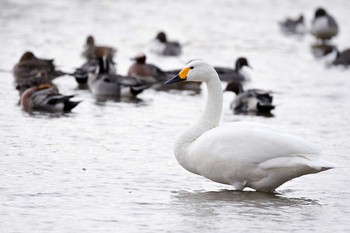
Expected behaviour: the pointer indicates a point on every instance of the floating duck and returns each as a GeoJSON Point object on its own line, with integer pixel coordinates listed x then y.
{"type": "Point", "coordinates": [324, 27]}
{"type": "Point", "coordinates": [46, 98]}
{"type": "Point", "coordinates": [81, 74]}
{"type": "Point", "coordinates": [104, 84]}
{"type": "Point", "coordinates": [293, 26]}
{"type": "Point", "coordinates": [250, 101]}
{"type": "Point", "coordinates": [241, 154]}
{"type": "Point", "coordinates": [161, 46]}
{"type": "Point", "coordinates": [146, 73]}
{"type": "Point", "coordinates": [237, 74]}
{"type": "Point", "coordinates": [90, 49]}
{"type": "Point", "coordinates": [29, 66]}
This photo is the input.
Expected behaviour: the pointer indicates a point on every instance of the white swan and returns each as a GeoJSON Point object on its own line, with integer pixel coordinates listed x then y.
{"type": "Point", "coordinates": [241, 154]}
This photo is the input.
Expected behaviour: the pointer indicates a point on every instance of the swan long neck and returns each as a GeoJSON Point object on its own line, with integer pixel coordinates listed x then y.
{"type": "Point", "coordinates": [209, 119]}
{"type": "Point", "coordinates": [211, 115]}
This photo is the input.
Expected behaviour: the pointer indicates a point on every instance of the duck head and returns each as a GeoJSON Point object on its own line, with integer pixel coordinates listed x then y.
{"type": "Point", "coordinates": [140, 58]}
{"type": "Point", "coordinates": [320, 12]}
{"type": "Point", "coordinates": [90, 41]}
{"type": "Point", "coordinates": [161, 36]}
{"type": "Point", "coordinates": [27, 56]}
{"type": "Point", "coordinates": [241, 62]}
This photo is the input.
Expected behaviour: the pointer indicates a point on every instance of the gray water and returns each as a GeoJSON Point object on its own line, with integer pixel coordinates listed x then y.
{"type": "Point", "coordinates": [109, 167]}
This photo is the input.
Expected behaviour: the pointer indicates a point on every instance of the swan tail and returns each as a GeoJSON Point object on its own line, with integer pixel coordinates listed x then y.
{"type": "Point", "coordinates": [312, 162]}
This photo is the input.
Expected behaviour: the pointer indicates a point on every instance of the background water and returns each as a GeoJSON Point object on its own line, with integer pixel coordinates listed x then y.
{"type": "Point", "coordinates": [109, 167]}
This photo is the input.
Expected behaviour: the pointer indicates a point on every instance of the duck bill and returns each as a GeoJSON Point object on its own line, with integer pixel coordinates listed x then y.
{"type": "Point", "coordinates": [176, 79]}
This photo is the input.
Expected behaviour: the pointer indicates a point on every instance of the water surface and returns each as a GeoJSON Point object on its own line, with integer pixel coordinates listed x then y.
{"type": "Point", "coordinates": [109, 167]}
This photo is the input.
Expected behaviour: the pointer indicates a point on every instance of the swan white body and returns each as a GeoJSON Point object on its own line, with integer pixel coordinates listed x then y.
{"type": "Point", "coordinates": [241, 154]}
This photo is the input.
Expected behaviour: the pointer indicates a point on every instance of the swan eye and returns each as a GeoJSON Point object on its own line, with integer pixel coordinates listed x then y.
{"type": "Point", "coordinates": [191, 67]}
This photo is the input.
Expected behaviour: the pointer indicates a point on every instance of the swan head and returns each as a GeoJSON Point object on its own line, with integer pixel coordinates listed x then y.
{"type": "Point", "coordinates": [195, 71]}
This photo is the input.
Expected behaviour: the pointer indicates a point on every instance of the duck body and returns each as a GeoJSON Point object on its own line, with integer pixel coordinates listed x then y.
{"type": "Point", "coordinates": [161, 46]}
{"type": "Point", "coordinates": [81, 74]}
{"type": "Point", "coordinates": [250, 101]}
{"type": "Point", "coordinates": [104, 84]}
{"type": "Point", "coordinates": [29, 66]}
{"type": "Point", "coordinates": [116, 86]}
{"type": "Point", "coordinates": [241, 154]}
{"type": "Point", "coordinates": [228, 74]}
{"type": "Point", "coordinates": [324, 26]}
{"type": "Point", "coordinates": [237, 74]}
{"type": "Point", "coordinates": [342, 58]}
{"type": "Point", "coordinates": [253, 100]}
{"type": "Point", "coordinates": [171, 48]}
{"type": "Point", "coordinates": [293, 26]}
{"type": "Point", "coordinates": [144, 72]}
{"type": "Point", "coordinates": [46, 98]}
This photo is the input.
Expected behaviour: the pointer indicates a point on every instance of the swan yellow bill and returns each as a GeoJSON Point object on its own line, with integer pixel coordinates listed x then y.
{"type": "Point", "coordinates": [182, 76]}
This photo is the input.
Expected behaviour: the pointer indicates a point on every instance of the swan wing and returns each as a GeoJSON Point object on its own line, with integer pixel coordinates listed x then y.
{"type": "Point", "coordinates": [250, 143]}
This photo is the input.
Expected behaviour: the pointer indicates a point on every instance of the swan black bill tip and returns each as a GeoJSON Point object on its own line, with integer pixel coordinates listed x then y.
{"type": "Point", "coordinates": [176, 79]}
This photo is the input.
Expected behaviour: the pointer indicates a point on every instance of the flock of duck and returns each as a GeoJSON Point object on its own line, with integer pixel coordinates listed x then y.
{"type": "Point", "coordinates": [323, 27]}
{"type": "Point", "coordinates": [241, 154]}
{"type": "Point", "coordinates": [33, 78]}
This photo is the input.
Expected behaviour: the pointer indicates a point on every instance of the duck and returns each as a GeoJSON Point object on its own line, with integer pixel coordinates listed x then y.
{"type": "Point", "coordinates": [90, 49]}
{"type": "Point", "coordinates": [293, 26]}
{"type": "Point", "coordinates": [242, 154]}
{"type": "Point", "coordinates": [81, 74]}
{"type": "Point", "coordinates": [104, 84]}
{"type": "Point", "coordinates": [324, 27]}
{"type": "Point", "coordinates": [250, 101]}
{"type": "Point", "coordinates": [46, 98]}
{"type": "Point", "coordinates": [146, 73]}
{"type": "Point", "coordinates": [151, 74]}
{"type": "Point", "coordinates": [29, 65]}
{"type": "Point", "coordinates": [161, 46]}
{"type": "Point", "coordinates": [342, 58]}
{"type": "Point", "coordinates": [237, 74]}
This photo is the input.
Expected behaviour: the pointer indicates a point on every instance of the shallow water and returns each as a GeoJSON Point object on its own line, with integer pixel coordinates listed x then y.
{"type": "Point", "coordinates": [109, 167]}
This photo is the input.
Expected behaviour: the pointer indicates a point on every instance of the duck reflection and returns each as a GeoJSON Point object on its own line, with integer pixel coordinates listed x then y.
{"type": "Point", "coordinates": [323, 49]}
